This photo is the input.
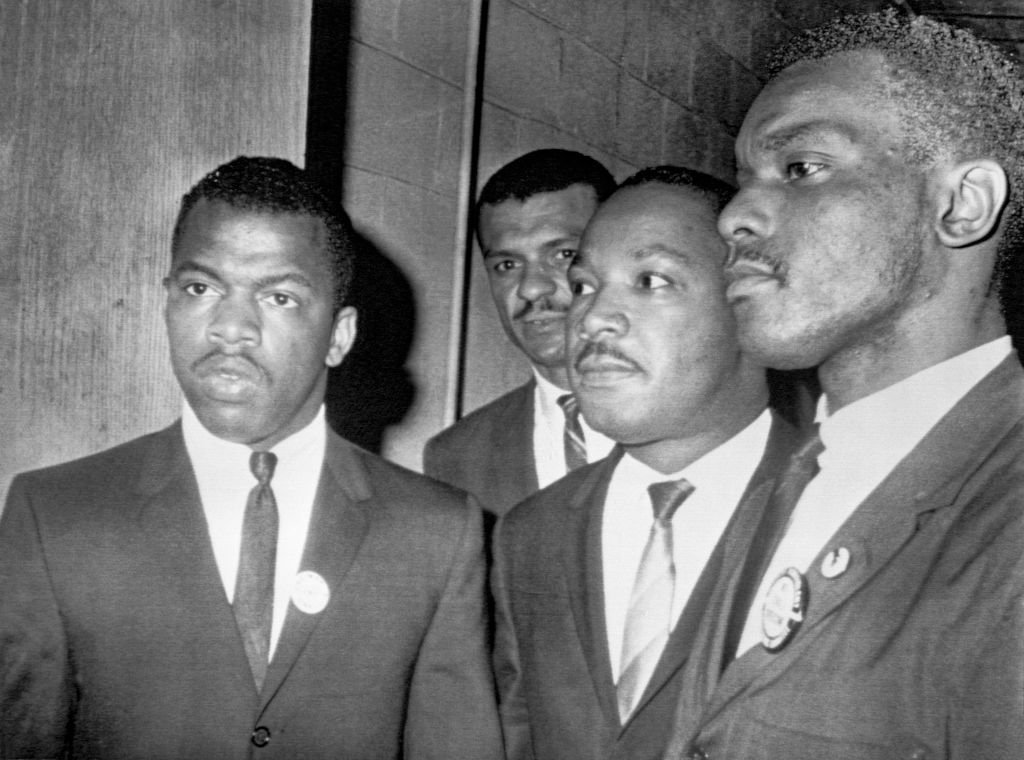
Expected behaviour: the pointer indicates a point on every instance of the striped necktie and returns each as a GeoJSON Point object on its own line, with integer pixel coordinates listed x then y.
{"type": "Point", "coordinates": [572, 437]}
{"type": "Point", "coordinates": [649, 618]}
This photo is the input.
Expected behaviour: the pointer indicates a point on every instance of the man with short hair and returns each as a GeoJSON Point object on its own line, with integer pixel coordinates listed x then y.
{"type": "Point", "coordinates": [529, 219]}
{"type": "Point", "coordinates": [245, 580]}
{"type": "Point", "coordinates": [880, 174]}
{"type": "Point", "coordinates": [598, 598]}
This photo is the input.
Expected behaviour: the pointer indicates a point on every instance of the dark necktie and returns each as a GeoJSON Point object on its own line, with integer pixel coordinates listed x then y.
{"type": "Point", "coordinates": [649, 617]}
{"type": "Point", "coordinates": [799, 471]}
{"type": "Point", "coordinates": [572, 438]}
{"type": "Point", "coordinates": [254, 586]}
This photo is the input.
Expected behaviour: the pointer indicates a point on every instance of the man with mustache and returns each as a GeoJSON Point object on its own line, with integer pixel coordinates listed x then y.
{"type": "Point", "coordinates": [880, 172]}
{"type": "Point", "coordinates": [530, 216]}
{"type": "Point", "coordinates": [601, 580]}
{"type": "Point", "coordinates": [245, 582]}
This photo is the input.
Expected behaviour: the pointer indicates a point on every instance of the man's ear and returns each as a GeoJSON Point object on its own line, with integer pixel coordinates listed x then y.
{"type": "Point", "coordinates": [343, 336]}
{"type": "Point", "coordinates": [973, 196]}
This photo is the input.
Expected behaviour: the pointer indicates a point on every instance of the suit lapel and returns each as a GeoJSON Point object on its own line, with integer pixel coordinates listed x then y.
{"type": "Point", "coordinates": [582, 567]}
{"type": "Point", "coordinates": [928, 480]}
{"type": "Point", "coordinates": [336, 530]}
{"type": "Point", "coordinates": [172, 513]}
{"type": "Point", "coordinates": [512, 469]}
{"type": "Point", "coordinates": [720, 580]}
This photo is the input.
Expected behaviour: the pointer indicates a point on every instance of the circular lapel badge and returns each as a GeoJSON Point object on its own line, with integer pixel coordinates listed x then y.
{"type": "Point", "coordinates": [835, 562]}
{"type": "Point", "coordinates": [784, 606]}
{"type": "Point", "coordinates": [310, 593]}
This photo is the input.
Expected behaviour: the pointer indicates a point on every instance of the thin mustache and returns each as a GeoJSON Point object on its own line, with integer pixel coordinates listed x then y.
{"type": "Point", "coordinates": [215, 355]}
{"type": "Point", "coordinates": [600, 349]}
{"type": "Point", "coordinates": [754, 255]}
{"type": "Point", "coordinates": [545, 304]}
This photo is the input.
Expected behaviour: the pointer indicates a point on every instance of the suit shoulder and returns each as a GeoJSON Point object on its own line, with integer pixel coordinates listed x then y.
{"type": "Point", "coordinates": [547, 505]}
{"type": "Point", "coordinates": [104, 470]}
{"type": "Point", "coordinates": [401, 485]}
{"type": "Point", "coordinates": [481, 420]}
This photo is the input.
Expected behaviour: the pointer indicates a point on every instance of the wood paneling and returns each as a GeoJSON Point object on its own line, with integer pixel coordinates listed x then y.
{"type": "Point", "coordinates": [111, 110]}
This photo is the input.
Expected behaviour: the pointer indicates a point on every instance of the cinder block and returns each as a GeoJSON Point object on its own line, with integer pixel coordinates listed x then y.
{"type": "Point", "coordinates": [433, 35]}
{"type": "Point", "coordinates": [587, 105]}
{"type": "Point", "coordinates": [685, 137]}
{"type": "Point", "coordinates": [604, 25]}
{"type": "Point", "coordinates": [744, 88]}
{"type": "Point", "coordinates": [402, 121]}
{"type": "Point", "coordinates": [639, 119]}
{"type": "Point", "coordinates": [635, 36]}
{"type": "Point", "coordinates": [522, 63]}
{"type": "Point", "coordinates": [565, 14]}
{"type": "Point", "coordinates": [670, 52]}
{"type": "Point", "coordinates": [712, 80]}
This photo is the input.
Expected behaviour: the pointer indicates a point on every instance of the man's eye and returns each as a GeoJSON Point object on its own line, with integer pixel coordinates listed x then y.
{"type": "Point", "coordinates": [652, 281]}
{"type": "Point", "coordinates": [282, 300]}
{"type": "Point", "coordinates": [565, 254]}
{"type": "Point", "coordinates": [802, 169]}
{"type": "Point", "coordinates": [197, 289]}
{"type": "Point", "coordinates": [503, 265]}
{"type": "Point", "coordinates": [581, 288]}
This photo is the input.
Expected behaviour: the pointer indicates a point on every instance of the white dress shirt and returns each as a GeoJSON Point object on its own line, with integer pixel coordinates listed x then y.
{"type": "Point", "coordinates": [719, 479]}
{"type": "Point", "coordinates": [548, 430]}
{"type": "Point", "coordinates": [222, 472]}
{"type": "Point", "coordinates": [864, 442]}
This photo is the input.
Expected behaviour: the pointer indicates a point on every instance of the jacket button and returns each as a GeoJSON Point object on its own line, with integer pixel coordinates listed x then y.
{"type": "Point", "coordinates": [261, 736]}
{"type": "Point", "coordinates": [698, 753]}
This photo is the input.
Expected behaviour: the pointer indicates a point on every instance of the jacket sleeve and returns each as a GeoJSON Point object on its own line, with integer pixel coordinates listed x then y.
{"type": "Point", "coordinates": [36, 701]}
{"type": "Point", "coordinates": [452, 710]}
{"type": "Point", "coordinates": [512, 707]}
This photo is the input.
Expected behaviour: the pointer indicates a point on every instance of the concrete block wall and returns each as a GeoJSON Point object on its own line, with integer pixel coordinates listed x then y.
{"type": "Point", "coordinates": [631, 82]}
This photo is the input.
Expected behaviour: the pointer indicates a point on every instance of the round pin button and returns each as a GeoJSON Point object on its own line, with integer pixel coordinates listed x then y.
{"type": "Point", "coordinates": [784, 606]}
{"type": "Point", "coordinates": [310, 593]}
{"type": "Point", "coordinates": [835, 562]}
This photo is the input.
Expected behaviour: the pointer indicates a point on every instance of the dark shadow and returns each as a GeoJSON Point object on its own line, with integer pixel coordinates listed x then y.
{"type": "Point", "coordinates": [794, 395]}
{"type": "Point", "coordinates": [372, 389]}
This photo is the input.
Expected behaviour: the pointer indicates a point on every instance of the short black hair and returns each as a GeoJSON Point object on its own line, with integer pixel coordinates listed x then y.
{"type": "Point", "coordinates": [959, 96]}
{"type": "Point", "coordinates": [715, 191]}
{"type": "Point", "coordinates": [545, 171]}
{"type": "Point", "coordinates": [261, 183]}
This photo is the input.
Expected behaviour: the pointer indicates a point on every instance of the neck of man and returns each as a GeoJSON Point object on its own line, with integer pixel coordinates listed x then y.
{"type": "Point", "coordinates": [554, 375]}
{"type": "Point", "coordinates": [711, 428]}
{"type": "Point", "coordinates": [868, 367]}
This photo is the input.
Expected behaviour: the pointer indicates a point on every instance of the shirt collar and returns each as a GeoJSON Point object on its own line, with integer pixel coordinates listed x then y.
{"type": "Point", "coordinates": [207, 451]}
{"type": "Point", "coordinates": [895, 419]}
{"type": "Point", "coordinates": [731, 462]}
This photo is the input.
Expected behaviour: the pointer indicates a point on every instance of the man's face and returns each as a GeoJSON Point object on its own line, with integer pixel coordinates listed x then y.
{"type": "Point", "coordinates": [827, 230]}
{"type": "Point", "coordinates": [249, 320]}
{"type": "Point", "coordinates": [651, 338]}
{"type": "Point", "coordinates": [527, 247]}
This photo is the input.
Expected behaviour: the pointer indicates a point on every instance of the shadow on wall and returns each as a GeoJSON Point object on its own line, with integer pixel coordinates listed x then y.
{"type": "Point", "coordinates": [371, 389]}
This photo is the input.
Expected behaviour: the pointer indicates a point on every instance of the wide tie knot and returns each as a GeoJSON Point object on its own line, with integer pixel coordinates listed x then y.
{"type": "Point", "coordinates": [666, 497]}
{"type": "Point", "coordinates": [262, 464]}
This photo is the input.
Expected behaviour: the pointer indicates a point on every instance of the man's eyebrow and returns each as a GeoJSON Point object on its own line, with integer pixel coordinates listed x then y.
{"type": "Point", "coordinates": [189, 266]}
{"type": "Point", "coordinates": [778, 140]}
{"type": "Point", "coordinates": [295, 278]}
{"type": "Point", "coordinates": [657, 249]}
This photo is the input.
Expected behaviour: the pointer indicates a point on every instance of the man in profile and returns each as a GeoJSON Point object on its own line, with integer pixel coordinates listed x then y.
{"type": "Point", "coordinates": [879, 203]}
{"type": "Point", "coordinates": [529, 219]}
{"type": "Point", "coordinates": [245, 580]}
{"type": "Point", "coordinates": [601, 580]}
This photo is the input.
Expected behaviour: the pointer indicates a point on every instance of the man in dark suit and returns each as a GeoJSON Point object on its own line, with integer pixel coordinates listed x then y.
{"type": "Point", "coordinates": [159, 600]}
{"type": "Point", "coordinates": [880, 176]}
{"type": "Point", "coordinates": [529, 219]}
{"type": "Point", "coordinates": [587, 655]}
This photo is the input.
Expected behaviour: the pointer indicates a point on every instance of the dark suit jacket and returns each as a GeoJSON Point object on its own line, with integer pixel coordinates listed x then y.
{"type": "Point", "coordinates": [557, 698]}
{"type": "Point", "coordinates": [917, 650]}
{"type": "Point", "coordinates": [489, 452]}
{"type": "Point", "coordinates": [117, 639]}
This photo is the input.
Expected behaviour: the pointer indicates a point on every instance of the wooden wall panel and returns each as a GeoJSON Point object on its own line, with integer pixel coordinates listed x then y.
{"type": "Point", "coordinates": [111, 110]}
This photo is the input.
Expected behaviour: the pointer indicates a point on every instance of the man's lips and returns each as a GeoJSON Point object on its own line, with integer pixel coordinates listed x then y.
{"type": "Point", "coordinates": [229, 377]}
{"type": "Point", "coordinates": [746, 273]}
{"type": "Point", "coordinates": [597, 363]}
